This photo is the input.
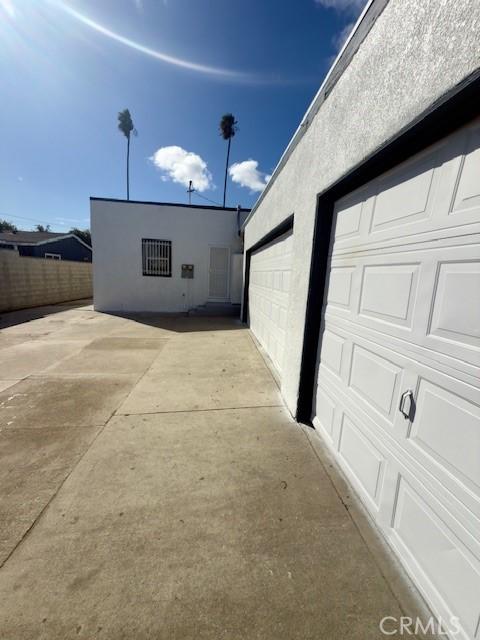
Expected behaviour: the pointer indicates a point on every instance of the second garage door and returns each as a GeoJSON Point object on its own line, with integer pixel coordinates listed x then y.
{"type": "Point", "coordinates": [268, 294]}
{"type": "Point", "coordinates": [397, 396]}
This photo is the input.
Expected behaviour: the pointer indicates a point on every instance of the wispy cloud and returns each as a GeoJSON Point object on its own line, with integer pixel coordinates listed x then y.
{"type": "Point", "coordinates": [339, 38]}
{"type": "Point", "coordinates": [69, 222]}
{"type": "Point", "coordinates": [351, 6]}
{"type": "Point", "coordinates": [181, 166]}
{"type": "Point", "coordinates": [246, 174]}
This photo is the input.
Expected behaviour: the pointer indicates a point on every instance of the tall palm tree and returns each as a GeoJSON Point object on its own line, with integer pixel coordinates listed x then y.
{"type": "Point", "coordinates": [125, 124]}
{"type": "Point", "coordinates": [228, 128]}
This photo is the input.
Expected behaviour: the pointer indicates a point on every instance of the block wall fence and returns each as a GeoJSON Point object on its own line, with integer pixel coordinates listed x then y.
{"type": "Point", "coordinates": [33, 282]}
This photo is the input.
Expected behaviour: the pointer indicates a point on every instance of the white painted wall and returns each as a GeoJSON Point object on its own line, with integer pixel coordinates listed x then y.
{"type": "Point", "coordinates": [117, 231]}
{"type": "Point", "coordinates": [236, 278]}
{"type": "Point", "coordinates": [414, 53]}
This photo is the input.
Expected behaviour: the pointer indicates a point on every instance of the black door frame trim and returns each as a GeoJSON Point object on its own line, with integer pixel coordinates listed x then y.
{"type": "Point", "coordinates": [276, 232]}
{"type": "Point", "coordinates": [443, 117]}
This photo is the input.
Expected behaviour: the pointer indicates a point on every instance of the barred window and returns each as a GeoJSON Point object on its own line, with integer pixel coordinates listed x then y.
{"type": "Point", "coordinates": [156, 257]}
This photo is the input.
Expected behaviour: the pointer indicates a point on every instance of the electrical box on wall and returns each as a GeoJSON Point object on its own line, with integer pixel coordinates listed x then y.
{"type": "Point", "coordinates": [187, 271]}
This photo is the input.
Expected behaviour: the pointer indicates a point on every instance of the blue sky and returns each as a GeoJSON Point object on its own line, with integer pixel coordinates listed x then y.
{"type": "Point", "coordinates": [69, 66]}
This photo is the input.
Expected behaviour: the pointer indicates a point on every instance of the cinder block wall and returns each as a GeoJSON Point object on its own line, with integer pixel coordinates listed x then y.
{"type": "Point", "coordinates": [33, 282]}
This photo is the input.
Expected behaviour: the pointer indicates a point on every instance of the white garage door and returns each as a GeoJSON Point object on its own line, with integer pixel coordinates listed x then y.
{"type": "Point", "coordinates": [268, 293]}
{"type": "Point", "coordinates": [402, 321]}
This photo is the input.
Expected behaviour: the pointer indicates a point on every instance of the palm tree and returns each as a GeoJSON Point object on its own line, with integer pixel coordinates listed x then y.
{"type": "Point", "coordinates": [228, 128]}
{"type": "Point", "coordinates": [125, 124]}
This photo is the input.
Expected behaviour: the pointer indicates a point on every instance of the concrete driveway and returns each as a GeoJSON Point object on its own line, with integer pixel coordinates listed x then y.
{"type": "Point", "coordinates": [152, 485]}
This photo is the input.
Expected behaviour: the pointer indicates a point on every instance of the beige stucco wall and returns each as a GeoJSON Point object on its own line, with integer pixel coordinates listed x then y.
{"type": "Point", "coordinates": [32, 282]}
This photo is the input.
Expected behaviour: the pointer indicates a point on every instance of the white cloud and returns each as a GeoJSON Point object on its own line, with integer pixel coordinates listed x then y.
{"type": "Point", "coordinates": [352, 6]}
{"type": "Point", "coordinates": [246, 174]}
{"type": "Point", "coordinates": [181, 166]}
{"type": "Point", "coordinates": [339, 39]}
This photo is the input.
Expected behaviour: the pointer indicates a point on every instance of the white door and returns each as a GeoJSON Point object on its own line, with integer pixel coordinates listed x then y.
{"type": "Point", "coordinates": [401, 327]}
{"type": "Point", "coordinates": [219, 273]}
{"type": "Point", "coordinates": [268, 294]}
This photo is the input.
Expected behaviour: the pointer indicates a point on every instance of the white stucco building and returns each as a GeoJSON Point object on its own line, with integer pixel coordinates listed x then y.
{"type": "Point", "coordinates": [157, 257]}
{"type": "Point", "coordinates": [362, 283]}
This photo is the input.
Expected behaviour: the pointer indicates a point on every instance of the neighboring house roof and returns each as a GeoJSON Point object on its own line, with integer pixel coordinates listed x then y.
{"type": "Point", "coordinates": [29, 237]}
{"type": "Point", "coordinates": [36, 237]}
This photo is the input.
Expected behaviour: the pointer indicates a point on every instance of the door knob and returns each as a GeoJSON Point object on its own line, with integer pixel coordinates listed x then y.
{"type": "Point", "coordinates": [407, 405]}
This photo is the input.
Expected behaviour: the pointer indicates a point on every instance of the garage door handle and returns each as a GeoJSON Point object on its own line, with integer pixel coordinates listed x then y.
{"type": "Point", "coordinates": [407, 404]}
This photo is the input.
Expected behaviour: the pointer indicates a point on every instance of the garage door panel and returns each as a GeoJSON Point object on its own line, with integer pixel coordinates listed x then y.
{"type": "Point", "coordinates": [436, 556]}
{"type": "Point", "coordinates": [404, 205]}
{"type": "Point", "coordinates": [376, 380]}
{"type": "Point", "coordinates": [325, 412]}
{"type": "Point", "coordinates": [467, 193]}
{"type": "Point", "coordinates": [455, 311]}
{"type": "Point", "coordinates": [268, 297]}
{"type": "Point", "coordinates": [364, 460]}
{"type": "Point", "coordinates": [446, 429]}
{"type": "Point", "coordinates": [359, 406]}
{"type": "Point", "coordinates": [403, 457]}
{"type": "Point", "coordinates": [402, 313]}
{"type": "Point", "coordinates": [388, 292]}
{"type": "Point", "coordinates": [396, 297]}
{"type": "Point", "coordinates": [348, 220]}
{"type": "Point", "coordinates": [405, 195]}
{"type": "Point", "coordinates": [444, 363]}
{"type": "Point", "coordinates": [352, 217]}
{"type": "Point", "coordinates": [332, 352]}
{"type": "Point", "coordinates": [340, 286]}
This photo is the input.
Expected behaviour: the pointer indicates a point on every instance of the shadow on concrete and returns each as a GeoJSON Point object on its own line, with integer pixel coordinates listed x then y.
{"type": "Point", "coordinates": [12, 318]}
{"type": "Point", "coordinates": [181, 323]}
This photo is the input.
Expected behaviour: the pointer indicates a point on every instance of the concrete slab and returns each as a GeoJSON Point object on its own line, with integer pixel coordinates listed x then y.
{"type": "Point", "coordinates": [6, 384]}
{"type": "Point", "coordinates": [209, 352]}
{"type": "Point", "coordinates": [115, 343]}
{"type": "Point", "coordinates": [85, 330]}
{"type": "Point", "coordinates": [198, 521]}
{"type": "Point", "coordinates": [206, 370]}
{"type": "Point", "coordinates": [107, 361]}
{"type": "Point", "coordinates": [154, 536]}
{"type": "Point", "coordinates": [34, 465]}
{"type": "Point", "coordinates": [161, 391]}
{"type": "Point", "coordinates": [63, 402]}
{"type": "Point", "coordinates": [11, 340]}
{"type": "Point", "coordinates": [140, 331]}
{"type": "Point", "coordinates": [29, 357]}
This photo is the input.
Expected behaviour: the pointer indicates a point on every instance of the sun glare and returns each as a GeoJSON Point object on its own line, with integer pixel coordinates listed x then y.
{"type": "Point", "coordinates": [7, 7]}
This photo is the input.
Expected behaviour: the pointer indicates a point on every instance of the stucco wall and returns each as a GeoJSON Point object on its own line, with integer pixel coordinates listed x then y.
{"type": "Point", "coordinates": [31, 282]}
{"type": "Point", "coordinates": [117, 231]}
{"type": "Point", "coordinates": [414, 53]}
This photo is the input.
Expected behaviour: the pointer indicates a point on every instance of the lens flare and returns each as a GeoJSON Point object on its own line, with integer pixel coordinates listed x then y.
{"type": "Point", "coordinates": [154, 53]}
